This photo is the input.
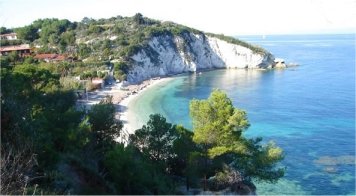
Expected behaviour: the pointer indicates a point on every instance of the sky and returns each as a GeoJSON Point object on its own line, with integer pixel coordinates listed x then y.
{"type": "Point", "coordinates": [229, 17]}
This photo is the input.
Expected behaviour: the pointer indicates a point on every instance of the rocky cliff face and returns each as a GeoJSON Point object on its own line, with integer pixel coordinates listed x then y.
{"type": "Point", "coordinates": [167, 54]}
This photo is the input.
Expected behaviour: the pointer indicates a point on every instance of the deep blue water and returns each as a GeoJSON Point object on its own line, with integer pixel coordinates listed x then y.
{"type": "Point", "coordinates": [308, 110]}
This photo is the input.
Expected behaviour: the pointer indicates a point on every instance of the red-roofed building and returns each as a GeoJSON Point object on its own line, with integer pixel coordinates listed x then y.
{"type": "Point", "coordinates": [50, 57]}
{"type": "Point", "coordinates": [8, 36]}
{"type": "Point", "coordinates": [22, 50]}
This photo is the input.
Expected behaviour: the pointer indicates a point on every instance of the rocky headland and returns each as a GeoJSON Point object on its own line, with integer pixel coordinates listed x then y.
{"type": "Point", "coordinates": [166, 55]}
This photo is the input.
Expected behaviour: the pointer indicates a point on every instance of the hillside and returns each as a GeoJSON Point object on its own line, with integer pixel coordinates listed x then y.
{"type": "Point", "coordinates": [140, 47]}
{"type": "Point", "coordinates": [52, 145]}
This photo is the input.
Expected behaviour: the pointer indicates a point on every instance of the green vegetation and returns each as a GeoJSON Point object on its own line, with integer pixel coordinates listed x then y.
{"type": "Point", "coordinates": [51, 146]}
{"type": "Point", "coordinates": [5, 42]}
{"type": "Point", "coordinates": [28, 33]}
{"type": "Point", "coordinates": [67, 71]}
{"type": "Point", "coordinates": [218, 128]}
{"type": "Point", "coordinates": [47, 144]}
{"type": "Point", "coordinates": [233, 40]}
{"type": "Point", "coordinates": [120, 69]}
{"type": "Point", "coordinates": [4, 30]}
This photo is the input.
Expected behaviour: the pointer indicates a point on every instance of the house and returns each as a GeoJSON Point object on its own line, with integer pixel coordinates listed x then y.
{"type": "Point", "coordinates": [8, 36]}
{"type": "Point", "coordinates": [50, 57]}
{"type": "Point", "coordinates": [22, 50]}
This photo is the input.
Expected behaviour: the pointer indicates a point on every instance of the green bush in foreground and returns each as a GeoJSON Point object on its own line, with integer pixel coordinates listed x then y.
{"type": "Point", "coordinates": [218, 128]}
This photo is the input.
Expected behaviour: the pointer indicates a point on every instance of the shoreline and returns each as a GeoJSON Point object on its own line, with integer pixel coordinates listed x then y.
{"type": "Point", "coordinates": [121, 99]}
{"type": "Point", "coordinates": [123, 112]}
{"type": "Point", "coordinates": [123, 96]}
{"type": "Point", "coordinates": [127, 116]}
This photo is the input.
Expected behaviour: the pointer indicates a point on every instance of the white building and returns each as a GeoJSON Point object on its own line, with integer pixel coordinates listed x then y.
{"type": "Point", "coordinates": [8, 36]}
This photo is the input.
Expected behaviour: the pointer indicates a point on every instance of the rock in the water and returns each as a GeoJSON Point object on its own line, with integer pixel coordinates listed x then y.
{"type": "Point", "coordinates": [279, 63]}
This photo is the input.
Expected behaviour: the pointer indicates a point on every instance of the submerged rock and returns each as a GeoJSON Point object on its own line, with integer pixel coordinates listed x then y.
{"type": "Point", "coordinates": [330, 169]}
{"type": "Point", "coordinates": [332, 161]}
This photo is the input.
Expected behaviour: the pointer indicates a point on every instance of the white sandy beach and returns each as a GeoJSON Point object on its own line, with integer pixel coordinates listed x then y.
{"type": "Point", "coordinates": [127, 116]}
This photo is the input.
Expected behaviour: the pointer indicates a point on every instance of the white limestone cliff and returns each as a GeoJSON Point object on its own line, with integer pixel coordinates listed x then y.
{"type": "Point", "coordinates": [168, 54]}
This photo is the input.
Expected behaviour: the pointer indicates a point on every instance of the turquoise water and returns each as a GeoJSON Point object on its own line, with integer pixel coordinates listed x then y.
{"type": "Point", "coordinates": [308, 110]}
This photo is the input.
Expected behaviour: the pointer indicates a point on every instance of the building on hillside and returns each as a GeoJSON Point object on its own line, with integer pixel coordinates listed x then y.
{"type": "Point", "coordinates": [22, 50]}
{"type": "Point", "coordinates": [8, 36]}
{"type": "Point", "coordinates": [50, 57]}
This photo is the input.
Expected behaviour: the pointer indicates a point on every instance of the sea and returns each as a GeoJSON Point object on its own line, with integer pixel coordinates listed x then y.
{"type": "Point", "coordinates": [308, 110]}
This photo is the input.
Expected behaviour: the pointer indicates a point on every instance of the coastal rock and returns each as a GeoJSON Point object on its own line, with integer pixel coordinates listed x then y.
{"type": "Point", "coordinates": [279, 63]}
{"type": "Point", "coordinates": [168, 54]}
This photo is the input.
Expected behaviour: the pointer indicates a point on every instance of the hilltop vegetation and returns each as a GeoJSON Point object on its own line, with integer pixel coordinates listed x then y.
{"type": "Point", "coordinates": [116, 37]}
{"type": "Point", "coordinates": [104, 40]}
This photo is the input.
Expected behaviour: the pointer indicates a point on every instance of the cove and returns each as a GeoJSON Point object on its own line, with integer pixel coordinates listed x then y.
{"type": "Point", "coordinates": [307, 110]}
